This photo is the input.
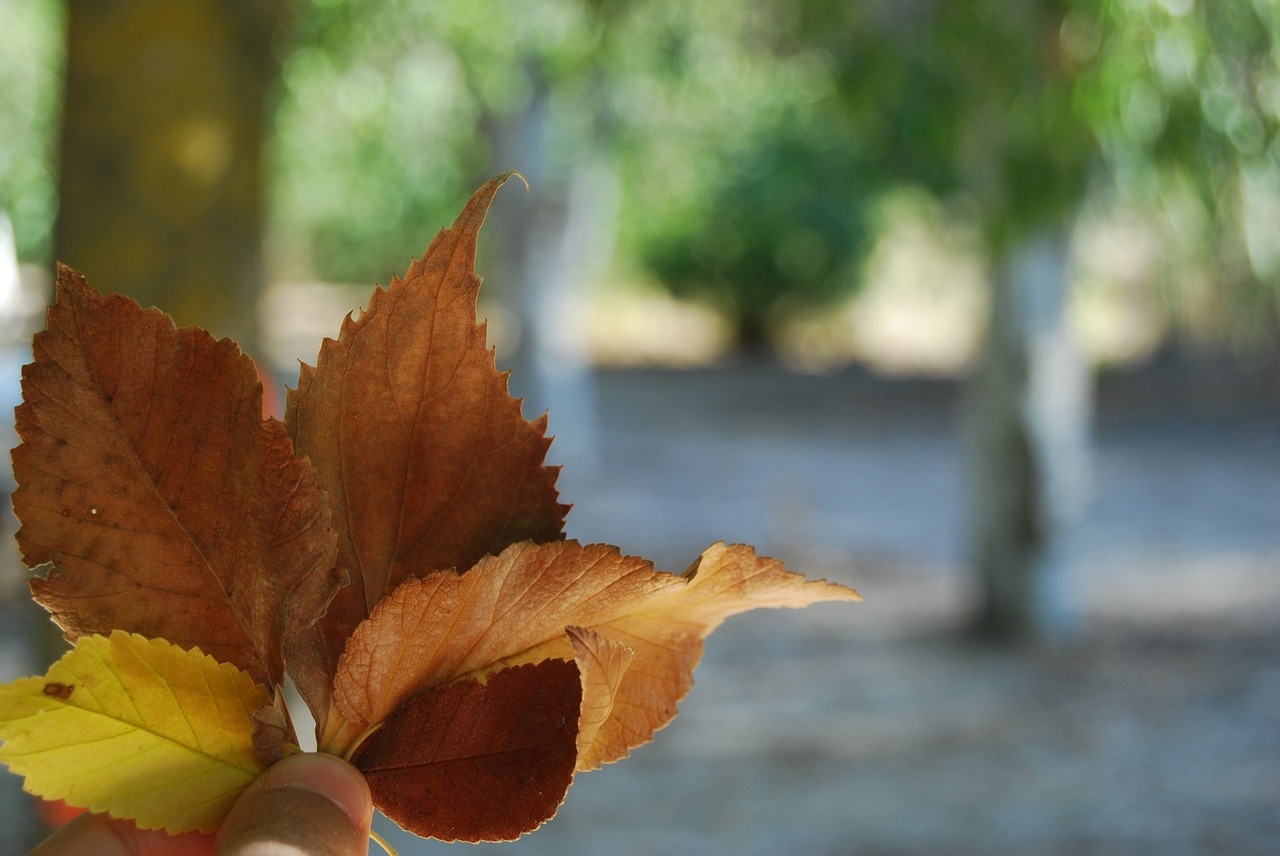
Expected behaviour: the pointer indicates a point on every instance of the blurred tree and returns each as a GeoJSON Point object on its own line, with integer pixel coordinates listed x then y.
{"type": "Point", "coordinates": [1022, 155]}
{"type": "Point", "coordinates": [785, 228]}
{"type": "Point", "coordinates": [161, 183]}
{"type": "Point", "coordinates": [974, 101]}
{"type": "Point", "coordinates": [1007, 107]}
{"type": "Point", "coordinates": [1185, 98]}
{"type": "Point", "coordinates": [30, 63]}
{"type": "Point", "coordinates": [747, 186]}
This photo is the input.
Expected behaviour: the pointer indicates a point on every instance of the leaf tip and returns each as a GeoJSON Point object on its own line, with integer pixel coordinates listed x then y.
{"type": "Point", "coordinates": [506, 176]}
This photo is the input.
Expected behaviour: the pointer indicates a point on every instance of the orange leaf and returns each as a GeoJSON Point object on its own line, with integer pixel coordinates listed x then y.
{"type": "Point", "coordinates": [446, 626]}
{"type": "Point", "coordinates": [515, 607]}
{"type": "Point", "coordinates": [478, 762]}
{"type": "Point", "coordinates": [148, 478]}
{"type": "Point", "coordinates": [426, 459]}
{"type": "Point", "coordinates": [603, 663]}
{"type": "Point", "coordinates": [666, 632]}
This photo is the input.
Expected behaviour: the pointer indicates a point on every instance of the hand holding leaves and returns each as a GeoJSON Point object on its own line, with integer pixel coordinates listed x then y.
{"type": "Point", "coordinates": [473, 664]}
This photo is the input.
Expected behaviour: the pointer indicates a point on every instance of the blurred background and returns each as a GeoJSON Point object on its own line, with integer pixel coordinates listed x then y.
{"type": "Point", "coordinates": [972, 306]}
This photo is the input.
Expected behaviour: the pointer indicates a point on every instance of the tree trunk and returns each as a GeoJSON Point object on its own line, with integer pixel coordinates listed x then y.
{"type": "Point", "coordinates": [162, 153]}
{"type": "Point", "coordinates": [548, 246]}
{"type": "Point", "coordinates": [1028, 418]}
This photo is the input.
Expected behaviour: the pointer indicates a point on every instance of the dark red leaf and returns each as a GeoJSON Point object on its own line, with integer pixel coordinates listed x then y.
{"type": "Point", "coordinates": [479, 762]}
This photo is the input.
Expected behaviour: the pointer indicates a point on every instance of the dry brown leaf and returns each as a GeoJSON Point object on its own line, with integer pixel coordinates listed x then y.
{"type": "Point", "coordinates": [426, 459]}
{"type": "Point", "coordinates": [167, 506]}
{"type": "Point", "coordinates": [446, 626]}
{"type": "Point", "coordinates": [515, 607]}
{"type": "Point", "coordinates": [666, 632]}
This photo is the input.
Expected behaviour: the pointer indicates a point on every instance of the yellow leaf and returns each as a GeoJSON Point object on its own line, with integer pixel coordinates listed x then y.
{"type": "Point", "coordinates": [135, 727]}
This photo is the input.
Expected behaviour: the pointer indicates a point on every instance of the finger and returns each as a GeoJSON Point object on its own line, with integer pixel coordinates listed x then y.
{"type": "Point", "coordinates": [99, 835]}
{"type": "Point", "coordinates": [311, 804]}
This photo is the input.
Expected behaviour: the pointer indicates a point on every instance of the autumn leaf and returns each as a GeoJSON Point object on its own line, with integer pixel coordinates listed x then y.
{"type": "Point", "coordinates": [446, 626]}
{"type": "Point", "coordinates": [602, 664]}
{"type": "Point", "coordinates": [489, 760]}
{"type": "Point", "coordinates": [666, 634]}
{"type": "Point", "coordinates": [515, 608]}
{"type": "Point", "coordinates": [425, 457]}
{"type": "Point", "coordinates": [139, 728]}
{"type": "Point", "coordinates": [165, 503]}
{"type": "Point", "coordinates": [472, 761]}
{"type": "Point", "coordinates": [637, 632]}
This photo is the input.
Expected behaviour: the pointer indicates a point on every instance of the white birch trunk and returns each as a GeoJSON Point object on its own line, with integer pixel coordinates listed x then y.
{"type": "Point", "coordinates": [1029, 415]}
{"type": "Point", "coordinates": [551, 245]}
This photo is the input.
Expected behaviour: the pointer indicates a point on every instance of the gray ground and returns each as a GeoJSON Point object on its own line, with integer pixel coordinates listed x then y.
{"type": "Point", "coordinates": [880, 728]}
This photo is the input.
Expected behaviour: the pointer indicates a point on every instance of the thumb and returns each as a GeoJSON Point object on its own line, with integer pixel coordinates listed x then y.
{"type": "Point", "coordinates": [312, 804]}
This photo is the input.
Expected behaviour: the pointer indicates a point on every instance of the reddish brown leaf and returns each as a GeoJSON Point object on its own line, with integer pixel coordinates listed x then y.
{"type": "Point", "coordinates": [479, 762]}
{"type": "Point", "coordinates": [426, 459]}
{"type": "Point", "coordinates": [148, 478]}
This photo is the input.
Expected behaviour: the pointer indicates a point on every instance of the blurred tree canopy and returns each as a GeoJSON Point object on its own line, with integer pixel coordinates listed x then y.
{"type": "Point", "coordinates": [1184, 97]}
{"type": "Point", "coordinates": [750, 140]}
{"type": "Point", "coordinates": [30, 78]}
{"type": "Point", "coordinates": [382, 113]}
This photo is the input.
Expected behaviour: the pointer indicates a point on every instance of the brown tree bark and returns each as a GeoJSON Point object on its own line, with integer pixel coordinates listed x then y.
{"type": "Point", "coordinates": [161, 179]}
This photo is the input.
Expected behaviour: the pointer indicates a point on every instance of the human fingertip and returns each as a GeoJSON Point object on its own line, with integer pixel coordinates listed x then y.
{"type": "Point", "coordinates": [327, 775]}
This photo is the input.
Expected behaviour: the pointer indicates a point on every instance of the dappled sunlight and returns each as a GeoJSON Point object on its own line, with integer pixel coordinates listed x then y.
{"type": "Point", "coordinates": [644, 327]}
{"type": "Point", "coordinates": [1117, 309]}
{"type": "Point", "coordinates": [921, 311]}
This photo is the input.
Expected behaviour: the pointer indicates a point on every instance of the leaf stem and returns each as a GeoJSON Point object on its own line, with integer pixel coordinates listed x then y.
{"type": "Point", "coordinates": [382, 842]}
{"type": "Point", "coordinates": [342, 737]}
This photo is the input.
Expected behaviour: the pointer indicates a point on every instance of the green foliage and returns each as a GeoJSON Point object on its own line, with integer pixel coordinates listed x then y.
{"type": "Point", "coordinates": [1185, 97]}
{"type": "Point", "coordinates": [1186, 85]}
{"type": "Point", "coordinates": [370, 137]}
{"type": "Point", "coordinates": [972, 101]}
{"type": "Point", "coordinates": [783, 223]}
{"type": "Point", "coordinates": [1189, 93]}
{"type": "Point", "coordinates": [750, 139]}
{"type": "Point", "coordinates": [707, 115]}
{"type": "Point", "coordinates": [30, 56]}
{"type": "Point", "coordinates": [381, 121]}
{"type": "Point", "coordinates": [745, 187]}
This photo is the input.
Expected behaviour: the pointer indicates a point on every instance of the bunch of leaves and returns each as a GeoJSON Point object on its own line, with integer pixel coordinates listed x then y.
{"type": "Point", "coordinates": [394, 546]}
